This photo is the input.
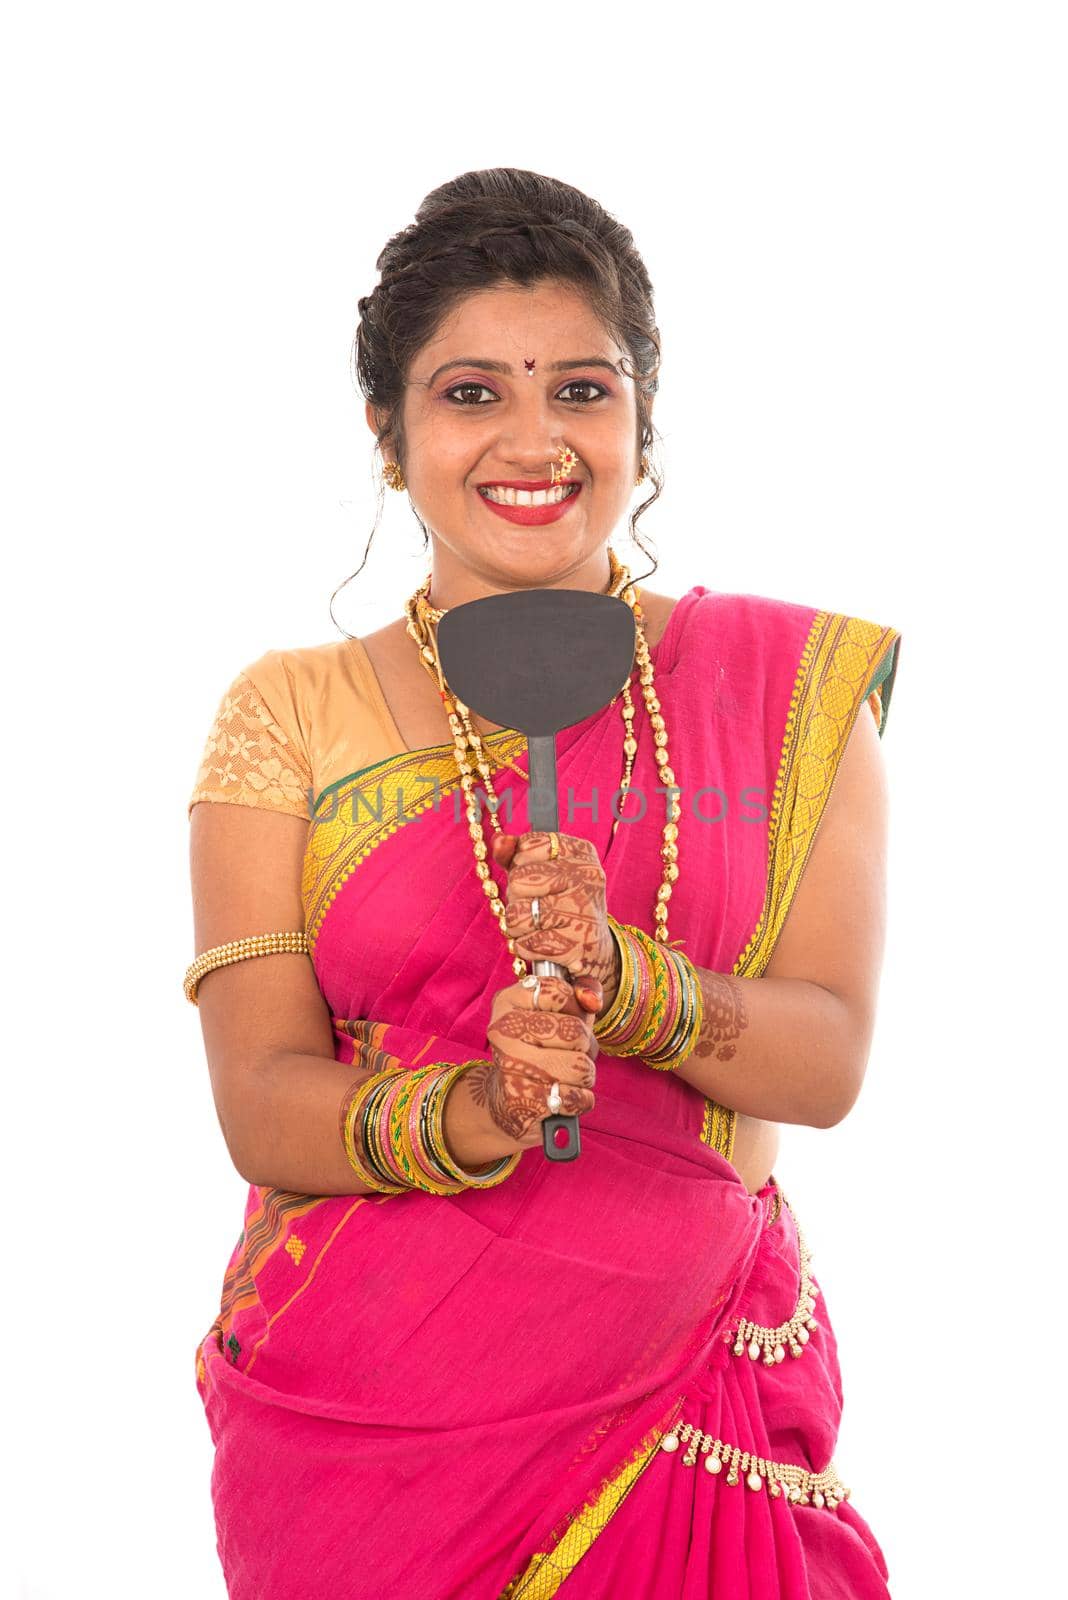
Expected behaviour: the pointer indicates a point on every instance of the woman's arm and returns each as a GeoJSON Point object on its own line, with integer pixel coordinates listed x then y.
{"type": "Point", "coordinates": [793, 1045]}
{"type": "Point", "coordinates": [267, 1031]}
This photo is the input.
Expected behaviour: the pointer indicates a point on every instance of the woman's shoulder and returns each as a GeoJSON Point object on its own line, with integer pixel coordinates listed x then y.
{"type": "Point", "coordinates": [285, 722]}
{"type": "Point", "coordinates": [332, 698]}
{"type": "Point", "coordinates": [316, 684]}
{"type": "Point", "coordinates": [796, 644]}
{"type": "Point", "coordinates": [770, 612]}
{"type": "Point", "coordinates": [297, 670]}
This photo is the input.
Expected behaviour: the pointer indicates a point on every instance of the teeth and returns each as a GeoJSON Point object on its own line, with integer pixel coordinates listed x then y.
{"type": "Point", "coordinates": [526, 497]}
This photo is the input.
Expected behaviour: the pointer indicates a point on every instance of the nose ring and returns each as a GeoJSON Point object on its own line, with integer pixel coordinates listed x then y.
{"type": "Point", "coordinates": [568, 463]}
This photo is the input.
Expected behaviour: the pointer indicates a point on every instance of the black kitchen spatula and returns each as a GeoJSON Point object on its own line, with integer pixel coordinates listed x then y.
{"type": "Point", "coordinates": [538, 660]}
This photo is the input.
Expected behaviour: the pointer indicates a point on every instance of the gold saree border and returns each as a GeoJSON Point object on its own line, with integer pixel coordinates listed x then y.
{"type": "Point", "coordinates": [340, 840]}
{"type": "Point", "coordinates": [831, 684]}
{"type": "Point", "coordinates": [547, 1569]}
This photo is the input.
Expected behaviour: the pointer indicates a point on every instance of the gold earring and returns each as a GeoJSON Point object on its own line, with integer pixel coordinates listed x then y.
{"type": "Point", "coordinates": [644, 468]}
{"type": "Point", "coordinates": [393, 475]}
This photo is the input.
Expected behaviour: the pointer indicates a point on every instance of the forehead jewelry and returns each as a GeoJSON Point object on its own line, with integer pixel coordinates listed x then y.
{"type": "Point", "coordinates": [568, 463]}
{"type": "Point", "coordinates": [529, 366]}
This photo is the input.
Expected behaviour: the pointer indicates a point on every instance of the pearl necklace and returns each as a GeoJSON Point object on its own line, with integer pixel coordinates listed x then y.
{"type": "Point", "coordinates": [468, 749]}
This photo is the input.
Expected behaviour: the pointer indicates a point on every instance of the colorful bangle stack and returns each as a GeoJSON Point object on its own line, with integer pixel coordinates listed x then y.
{"type": "Point", "coordinates": [392, 1127]}
{"type": "Point", "coordinates": [658, 1008]}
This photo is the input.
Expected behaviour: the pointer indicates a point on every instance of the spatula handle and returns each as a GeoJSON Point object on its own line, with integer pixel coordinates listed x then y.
{"type": "Point", "coordinates": [568, 1146]}
{"type": "Point", "coordinates": [559, 1135]}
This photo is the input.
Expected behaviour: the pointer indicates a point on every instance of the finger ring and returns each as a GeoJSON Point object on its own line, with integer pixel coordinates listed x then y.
{"type": "Point", "coordinates": [535, 911]}
{"type": "Point", "coordinates": [555, 1101]}
{"type": "Point", "coordinates": [537, 993]}
{"type": "Point", "coordinates": [554, 846]}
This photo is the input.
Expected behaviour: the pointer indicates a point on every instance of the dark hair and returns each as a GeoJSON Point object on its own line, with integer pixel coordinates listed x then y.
{"type": "Point", "coordinates": [485, 229]}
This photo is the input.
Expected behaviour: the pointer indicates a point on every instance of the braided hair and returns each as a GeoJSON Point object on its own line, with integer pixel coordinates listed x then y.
{"type": "Point", "coordinates": [503, 225]}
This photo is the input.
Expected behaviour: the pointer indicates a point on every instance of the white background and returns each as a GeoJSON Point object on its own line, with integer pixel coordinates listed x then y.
{"type": "Point", "coordinates": [853, 217]}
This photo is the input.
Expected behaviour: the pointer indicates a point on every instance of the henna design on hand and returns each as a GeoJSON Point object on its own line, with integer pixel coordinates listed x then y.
{"type": "Point", "coordinates": [533, 1047]}
{"type": "Point", "coordinates": [573, 923]}
{"type": "Point", "coordinates": [534, 1027]}
{"type": "Point", "coordinates": [516, 1098]}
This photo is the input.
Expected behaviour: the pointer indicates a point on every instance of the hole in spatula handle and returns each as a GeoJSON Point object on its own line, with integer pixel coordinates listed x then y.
{"type": "Point", "coordinates": [560, 1138]}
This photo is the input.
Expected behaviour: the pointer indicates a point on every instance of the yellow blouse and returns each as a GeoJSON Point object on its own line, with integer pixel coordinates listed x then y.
{"type": "Point", "coordinates": [293, 722]}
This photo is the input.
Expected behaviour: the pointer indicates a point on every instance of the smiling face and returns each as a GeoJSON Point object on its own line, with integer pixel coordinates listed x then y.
{"type": "Point", "coordinates": [475, 415]}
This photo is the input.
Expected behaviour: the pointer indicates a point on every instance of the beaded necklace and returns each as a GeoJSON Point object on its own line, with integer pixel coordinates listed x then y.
{"type": "Point", "coordinates": [469, 752]}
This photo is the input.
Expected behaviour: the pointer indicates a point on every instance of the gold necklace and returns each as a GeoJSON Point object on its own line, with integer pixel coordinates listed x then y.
{"type": "Point", "coordinates": [423, 619]}
{"type": "Point", "coordinates": [469, 753]}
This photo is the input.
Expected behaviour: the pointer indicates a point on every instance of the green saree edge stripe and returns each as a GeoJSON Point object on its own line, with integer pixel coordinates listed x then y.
{"type": "Point", "coordinates": [348, 778]}
{"type": "Point", "coordinates": [881, 671]}
{"type": "Point", "coordinates": [887, 676]}
{"type": "Point", "coordinates": [401, 755]}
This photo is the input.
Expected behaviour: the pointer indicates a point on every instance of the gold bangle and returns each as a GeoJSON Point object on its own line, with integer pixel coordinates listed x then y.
{"type": "Point", "coordinates": [609, 1022]}
{"type": "Point", "coordinates": [368, 1126]}
{"type": "Point", "coordinates": [689, 1020]}
{"type": "Point", "coordinates": [353, 1106]}
{"type": "Point", "coordinates": [625, 1032]}
{"type": "Point", "coordinates": [439, 1150]}
{"type": "Point", "coordinates": [642, 974]}
{"type": "Point", "coordinates": [419, 1166]}
{"type": "Point", "coordinates": [221, 955]}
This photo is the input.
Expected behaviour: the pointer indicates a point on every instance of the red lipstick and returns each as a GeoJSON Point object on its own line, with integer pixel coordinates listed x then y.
{"type": "Point", "coordinates": [531, 516]}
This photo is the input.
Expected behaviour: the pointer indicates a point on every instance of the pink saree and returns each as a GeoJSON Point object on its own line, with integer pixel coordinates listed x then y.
{"type": "Point", "coordinates": [416, 1397]}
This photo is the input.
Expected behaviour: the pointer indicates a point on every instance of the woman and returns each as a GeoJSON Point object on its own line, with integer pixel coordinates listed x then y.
{"type": "Point", "coordinates": [457, 1369]}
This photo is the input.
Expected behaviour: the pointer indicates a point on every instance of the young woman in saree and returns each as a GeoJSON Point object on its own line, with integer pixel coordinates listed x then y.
{"type": "Point", "coordinates": [445, 1367]}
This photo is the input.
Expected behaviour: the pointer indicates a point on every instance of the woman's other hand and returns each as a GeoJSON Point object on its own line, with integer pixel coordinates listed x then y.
{"type": "Point", "coordinates": [572, 926]}
{"type": "Point", "coordinates": [533, 1047]}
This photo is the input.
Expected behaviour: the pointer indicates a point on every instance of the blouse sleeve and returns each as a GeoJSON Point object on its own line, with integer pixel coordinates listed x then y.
{"type": "Point", "coordinates": [254, 754]}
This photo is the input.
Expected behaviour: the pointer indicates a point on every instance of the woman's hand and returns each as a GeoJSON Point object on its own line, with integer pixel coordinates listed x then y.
{"type": "Point", "coordinates": [572, 923]}
{"type": "Point", "coordinates": [533, 1047]}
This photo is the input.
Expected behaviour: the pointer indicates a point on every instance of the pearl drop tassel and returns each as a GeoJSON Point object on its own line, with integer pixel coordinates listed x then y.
{"type": "Point", "coordinates": [825, 1489]}
{"type": "Point", "coordinates": [754, 1339]}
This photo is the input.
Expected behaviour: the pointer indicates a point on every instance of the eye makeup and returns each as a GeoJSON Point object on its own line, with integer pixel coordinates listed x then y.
{"type": "Point", "coordinates": [572, 383]}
